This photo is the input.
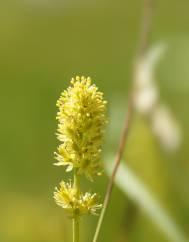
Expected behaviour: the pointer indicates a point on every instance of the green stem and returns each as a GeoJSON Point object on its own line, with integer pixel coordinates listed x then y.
{"type": "Point", "coordinates": [76, 218]}
{"type": "Point", "coordinates": [76, 229]}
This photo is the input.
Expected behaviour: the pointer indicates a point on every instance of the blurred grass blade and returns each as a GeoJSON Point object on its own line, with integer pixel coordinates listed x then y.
{"type": "Point", "coordinates": [130, 184]}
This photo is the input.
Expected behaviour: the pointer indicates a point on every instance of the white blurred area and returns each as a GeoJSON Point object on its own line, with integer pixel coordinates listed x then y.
{"type": "Point", "coordinates": [147, 101]}
{"type": "Point", "coordinates": [146, 94]}
{"type": "Point", "coordinates": [146, 98]}
{"type": "Point", "coordinates": [166, 128]}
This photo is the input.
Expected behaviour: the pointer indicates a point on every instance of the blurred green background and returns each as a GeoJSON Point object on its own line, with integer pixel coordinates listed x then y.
{"type": "Point", "coordinates": [43, 43]}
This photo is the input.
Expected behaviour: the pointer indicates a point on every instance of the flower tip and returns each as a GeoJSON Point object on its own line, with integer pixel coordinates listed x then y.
{"type": "Point", "coordinates": [77, 78]}
{"type": "Point", "coordinates": [83, 78]}
{"type": "Point", "coordinates": [72, 81]}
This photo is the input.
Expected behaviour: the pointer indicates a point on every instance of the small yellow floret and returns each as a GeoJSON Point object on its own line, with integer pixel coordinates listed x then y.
{"type": "Point", "coordinates": [76, 204]}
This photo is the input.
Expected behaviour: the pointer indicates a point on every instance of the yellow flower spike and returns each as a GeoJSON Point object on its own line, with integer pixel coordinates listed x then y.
{"type": "Point", "coordinates": [81, 118]}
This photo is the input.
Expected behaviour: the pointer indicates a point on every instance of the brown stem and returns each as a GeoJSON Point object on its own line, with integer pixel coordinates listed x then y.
{"type": "Point", "coordinates": [146, 27]}
{"type": "Point", "coordinates": [142, 46]}
{"type": "Point", "coordinates": [117, 162]}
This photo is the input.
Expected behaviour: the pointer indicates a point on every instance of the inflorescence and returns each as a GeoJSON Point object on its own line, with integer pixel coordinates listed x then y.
{"type": "Point", "coordinates": [81, 121]}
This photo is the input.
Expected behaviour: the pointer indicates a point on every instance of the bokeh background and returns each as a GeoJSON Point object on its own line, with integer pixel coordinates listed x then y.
{"type": "Point", "coordinates": [43, 43]}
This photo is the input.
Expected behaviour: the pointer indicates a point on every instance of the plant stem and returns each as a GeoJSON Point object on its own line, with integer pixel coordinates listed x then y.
{"type": "Point", "coordinates": [76, 229]}
{"type": "Point", "coordinates": [142, 46]}
{"type": "Point", "coordinates": [76, 218]}
{"type": "Point", "coordinates": [76, 182]}
{"type": "Point", "coordinates": [117, 162]}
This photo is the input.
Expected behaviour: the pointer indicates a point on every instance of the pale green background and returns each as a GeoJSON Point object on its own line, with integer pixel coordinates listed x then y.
{"type": "Point", "coordinates": [43, 43]}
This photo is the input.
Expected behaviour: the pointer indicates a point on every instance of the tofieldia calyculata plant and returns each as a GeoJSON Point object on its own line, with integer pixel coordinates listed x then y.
{"type": "Point", "coordinates": [81, 122]}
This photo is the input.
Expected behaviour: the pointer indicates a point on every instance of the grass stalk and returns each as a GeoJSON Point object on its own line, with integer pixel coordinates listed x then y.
{"type": "Point", "coordinates": [146, 27]}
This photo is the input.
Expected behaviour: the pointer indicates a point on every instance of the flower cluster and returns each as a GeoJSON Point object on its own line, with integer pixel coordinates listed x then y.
{"type": "Point", "coordinates": [76, 205]}
{"type": "Point", "coordinates": [81, 121]}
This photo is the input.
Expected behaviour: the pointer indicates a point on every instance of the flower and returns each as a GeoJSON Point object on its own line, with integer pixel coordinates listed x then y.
{"type": "Point", "coordinates": [81, 118]}
{"type": "Point", "coordinates": [76, 204]}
